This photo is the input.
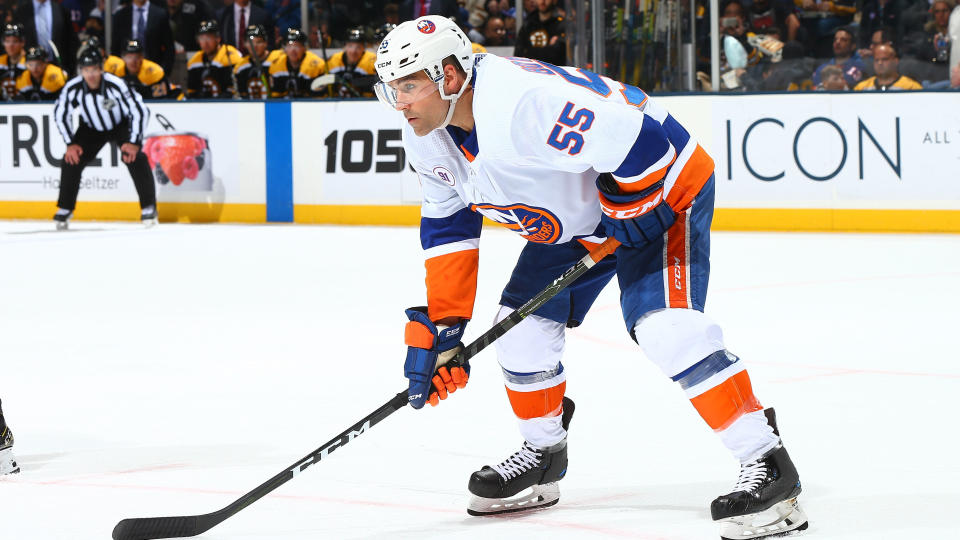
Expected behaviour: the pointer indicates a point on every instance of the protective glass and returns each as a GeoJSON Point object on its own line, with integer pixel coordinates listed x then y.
{"type": "Point", "coordinates": [395, 94]}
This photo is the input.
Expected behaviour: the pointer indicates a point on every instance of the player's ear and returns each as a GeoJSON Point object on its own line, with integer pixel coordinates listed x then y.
{"type": "Point", "coordinates": [452, 79]}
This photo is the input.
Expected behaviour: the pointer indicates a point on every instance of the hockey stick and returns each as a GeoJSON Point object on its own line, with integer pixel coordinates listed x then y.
{"type": "Point", "coordinates": [184, 526]}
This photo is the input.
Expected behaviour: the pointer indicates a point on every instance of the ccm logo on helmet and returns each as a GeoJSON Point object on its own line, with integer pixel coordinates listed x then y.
{"type": "Point", "coordinates": [426, 27]}
{"type": "Point", "coordinates": [384, 64]}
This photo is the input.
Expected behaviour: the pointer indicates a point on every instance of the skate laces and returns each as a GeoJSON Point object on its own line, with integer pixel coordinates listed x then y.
{"type": "Point", "coordinates": [751, 475]}
{"type": "Point", "coordinates": [525, 459]}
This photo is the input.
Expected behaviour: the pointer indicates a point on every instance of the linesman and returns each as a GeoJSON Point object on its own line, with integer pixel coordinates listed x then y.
{"type": "Point", "coordinates": [109, 112]}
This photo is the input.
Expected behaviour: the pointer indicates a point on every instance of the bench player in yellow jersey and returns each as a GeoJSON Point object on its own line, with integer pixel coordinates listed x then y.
{"type": "Point", "coordinates": [143, 75]}
{"type": "Point", "coordinates": [42, 81]}
{"type": "Point", "coordinates": [292, 72]}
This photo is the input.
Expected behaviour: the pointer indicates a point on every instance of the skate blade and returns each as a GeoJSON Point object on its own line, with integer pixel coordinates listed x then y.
{"type": "Point", "coordinates": [540, 496]}
{"type": "Point", "coordinates": [62, 226]}
{"type": "Point", "coordinates": [8, 465]}
{"type": "Point", "coordinates": [147, 223]}
{"type": "Point", "coordinates": [781, 519]}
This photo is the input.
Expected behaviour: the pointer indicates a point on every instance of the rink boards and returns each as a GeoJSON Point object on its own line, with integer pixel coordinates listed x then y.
{"type": "Point", "coordinates": [814, 161]}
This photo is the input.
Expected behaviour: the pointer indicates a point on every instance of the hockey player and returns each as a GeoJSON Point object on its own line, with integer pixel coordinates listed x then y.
{"type": "Point", "coordinates": [253, 81]}
{"type": "Point", "coordinates": [210, 70]}
{"type": "Point", "coordinates": [143, 75]}
{"type": "Point", "coordinates": [292, 72]}
{"type": "Point", "coordinates": [42, 81]}
{"type": "Point", "coordinates": [8, 464]}
{"type": "Point", "coordinates": [353, 67]}
{"type": "Point", "coordinates": [566, 157]}
{"type": "Point", "coordinates": [12, 61]}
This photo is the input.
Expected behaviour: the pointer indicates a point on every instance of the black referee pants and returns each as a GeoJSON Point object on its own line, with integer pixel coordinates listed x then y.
{"type": "Point", "coordinates": [91, 141]}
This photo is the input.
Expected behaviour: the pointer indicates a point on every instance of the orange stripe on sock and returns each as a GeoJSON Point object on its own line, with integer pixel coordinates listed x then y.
{"type": "Point", "coordinates": [723, 404]}
{"type": "Point", "coordinates": [539, 403]}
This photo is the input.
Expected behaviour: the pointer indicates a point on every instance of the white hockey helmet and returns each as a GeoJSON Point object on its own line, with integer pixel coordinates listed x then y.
{"type": "Point", "coordinates": [422, 45]}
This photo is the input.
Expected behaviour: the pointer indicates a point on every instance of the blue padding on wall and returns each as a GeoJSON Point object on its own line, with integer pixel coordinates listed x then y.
{"type": "Point", "coordinates": [279, 144]}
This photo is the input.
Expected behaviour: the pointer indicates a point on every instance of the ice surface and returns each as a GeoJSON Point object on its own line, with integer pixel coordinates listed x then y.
{"type": "Point", "coordinates": [168, 371]}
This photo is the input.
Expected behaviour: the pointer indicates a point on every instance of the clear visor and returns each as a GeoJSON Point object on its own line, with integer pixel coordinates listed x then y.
{"type": "Point", "coordinates": [405, 91]}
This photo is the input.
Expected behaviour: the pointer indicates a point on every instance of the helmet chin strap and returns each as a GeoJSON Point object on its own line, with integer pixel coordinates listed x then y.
{"type": "Point", "coordinates": [453, 102]}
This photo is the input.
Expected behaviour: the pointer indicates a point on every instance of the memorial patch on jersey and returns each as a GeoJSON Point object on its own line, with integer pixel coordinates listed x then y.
{"type": "Point", "coordinates": [444, 174]}
{"type": "Point", "coordinates": [534, 224]}
{"type": "Point", "coordinates": [426, 27]}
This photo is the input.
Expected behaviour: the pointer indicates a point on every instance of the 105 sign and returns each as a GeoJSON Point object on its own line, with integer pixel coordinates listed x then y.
{"type": "Point", "coordinates": [355, 149]}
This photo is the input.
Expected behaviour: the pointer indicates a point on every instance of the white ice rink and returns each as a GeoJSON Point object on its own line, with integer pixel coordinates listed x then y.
{"type": "Point", "coordinates": [168, 371]}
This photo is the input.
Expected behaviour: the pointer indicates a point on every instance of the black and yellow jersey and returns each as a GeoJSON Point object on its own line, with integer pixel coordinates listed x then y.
{"type": "Point", "coordinates": [46, 89]}
{"type": "Point", "coordinates": [253, 81]}
{"type": "Point", "coordinates": [10, 71]}
{"type": "Point", "coordinates": [112, 64]}
{"type": "Point", "coordinates": [283, 83]}
{"type": "Point", "coordinates": [360, 77]}
{"type": "Point", "coordinates": [151, 82]}
{"type": "Point", "coordinates": [902, 83]}
{"type": "Point", "coordinates": [478, 48]}
{"type": "Point", "coordinates": [213, 77]}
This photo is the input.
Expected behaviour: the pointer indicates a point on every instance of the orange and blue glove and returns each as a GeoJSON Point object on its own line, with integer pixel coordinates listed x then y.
{"type": "Point", "coordinates": [431, 366]}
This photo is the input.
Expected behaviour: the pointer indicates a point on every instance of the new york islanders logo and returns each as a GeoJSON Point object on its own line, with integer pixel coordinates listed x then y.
{"type": "Point", "coordinates": [535, 224]}
{"type": "Point", "coordinates": [426, 27]}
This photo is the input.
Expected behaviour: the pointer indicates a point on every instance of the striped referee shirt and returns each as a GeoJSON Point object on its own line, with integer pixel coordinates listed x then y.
{"type": "Point", "coordinates": [102, 109]}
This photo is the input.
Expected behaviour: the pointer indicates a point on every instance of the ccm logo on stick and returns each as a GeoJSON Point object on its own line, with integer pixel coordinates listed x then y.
{"type": "Point", "coordinates": [310, 460]}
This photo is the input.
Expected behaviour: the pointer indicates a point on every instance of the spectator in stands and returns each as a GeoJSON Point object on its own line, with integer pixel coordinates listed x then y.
{"type": "Point", "coordinates": [412, 9]}
{"type": "Point", "coordinates": [775, 16]}
{"type": "Point", "coordinates": [12, 62]}
{"type": "Point", "coordinates": [144, 76]}
{"type": "Point", "coordinates": [543, 36]}
{"type": "Point", "coordinates": [149, 24]}
{"type": "Point", "coordinates": [252, 73]}
{"type": "Point", "coordinates": [825, 17]}
{"type": "Point", "coordinates": [845, 56]}
{"type": "Point", "coordinates": [876, 15]}
{"type": "Point", "coordinates": [885, 35]}
{"type": "Point", "coordinates": [77, 12]}
{"type": "Point", "coordinates": [292, 72]}
{"type": "Point", "coordinates": [185, 17]}
{"type": "Point", "coordinates": [93, 25]}
{"type": "Point", "coordinates": [832, 79]}
{"type": "Point", "coordinates": [49, 27]}
{"type": "Point", "coordinates": [931, 47]}
{"type": "Point", "coordinates": [391, 14]}
{"type": "Point", "coordinates": [283, 13]}
{"type": "Point", "coordinates": [235, 20]}
{"type": "Point", "coordinates": [491, 34]}
{"type": "Point", "coordinates": [886, 64]}
{"type": "Point", "coordinates": [354, 67]}
{"type": "Point", "coordinates": [791, 73]}
{"type": "Point", "coordinates": [42, 81]}
{"type": "Point", "coordinates": [210, 70]}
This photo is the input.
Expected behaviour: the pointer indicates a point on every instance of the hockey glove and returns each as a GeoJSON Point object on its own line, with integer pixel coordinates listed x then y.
{"type": "Point", "coordinates": [430, 364]}
{"type": "Point", "coordinates": [633, 218]}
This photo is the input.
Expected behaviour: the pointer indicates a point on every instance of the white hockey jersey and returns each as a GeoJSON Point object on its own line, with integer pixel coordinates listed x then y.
{"type": "Point", "coordinates": [542, 135]}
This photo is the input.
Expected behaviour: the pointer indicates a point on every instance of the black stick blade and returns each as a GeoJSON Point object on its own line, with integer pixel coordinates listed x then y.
{"type": "Point", "coordinates": [159, 527]}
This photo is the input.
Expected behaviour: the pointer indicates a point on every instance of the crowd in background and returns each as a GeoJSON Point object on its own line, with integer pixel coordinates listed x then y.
{"type": "Point", "coordinates": [255, 49]}
{"type": "Point", "coordinates": [838, 45]}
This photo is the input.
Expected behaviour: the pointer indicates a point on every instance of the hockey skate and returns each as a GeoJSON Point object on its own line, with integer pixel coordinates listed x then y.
{"type": "Point", "coordinates": [763, 503]}
{"type": "Point", "coordinates": [62, 219]}
{"type": "Point", "coordinates": [495, 489]}
{"type": "Point", "coordinates": [8, 465]}
{"type": "Point", "coordinates": [148, 216]}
